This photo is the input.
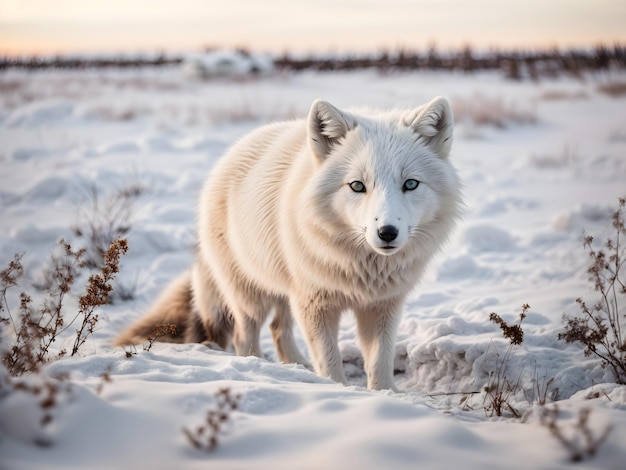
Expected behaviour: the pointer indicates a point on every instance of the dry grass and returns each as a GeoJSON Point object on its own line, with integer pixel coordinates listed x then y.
{"type": "Point", "coordinates": [103, 218]}
{"type": "Point", "coordinates": [615, 89]}
{"type": "Point", "coordinates": [491, 111]}
{"type": "Point", "coordinates": [542, 390]}
{"type": "Point", "coordinates": [567, 157]}
{"type": "Point", "coordinates": [563, 95]}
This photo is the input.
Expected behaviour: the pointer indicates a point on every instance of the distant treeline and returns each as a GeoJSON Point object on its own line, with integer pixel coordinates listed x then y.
{"type": "Point", "coordinates": [86, 62]}
{"type": "Point", "coordinates": [517, 64]}
{"type": "Point", "coordinates": [514, 64]}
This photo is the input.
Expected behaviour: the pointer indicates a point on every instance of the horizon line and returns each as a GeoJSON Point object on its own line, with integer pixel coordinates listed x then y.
{"type": "Point", "coordinates": [332, 51]}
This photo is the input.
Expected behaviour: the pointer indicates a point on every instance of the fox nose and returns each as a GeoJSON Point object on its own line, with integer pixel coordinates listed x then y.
{"type": "Point", "coordinates": [388, 233]}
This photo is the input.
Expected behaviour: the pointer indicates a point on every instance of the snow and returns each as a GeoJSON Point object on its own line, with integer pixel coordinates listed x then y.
{"type": "Point", "coordinates": [531, 187]}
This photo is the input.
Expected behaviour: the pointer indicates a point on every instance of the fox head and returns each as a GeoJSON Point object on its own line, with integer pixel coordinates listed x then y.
{"type": "Point", "coordinates": [382, 180]}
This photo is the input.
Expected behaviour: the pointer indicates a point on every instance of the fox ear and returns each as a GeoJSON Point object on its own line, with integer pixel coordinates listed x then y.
{"type": "Point", "coordinates": [434, 121]}
{"type": "Point", "coordinates": [326, 126]}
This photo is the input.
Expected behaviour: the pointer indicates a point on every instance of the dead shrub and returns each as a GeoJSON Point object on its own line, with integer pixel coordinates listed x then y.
{"type": "Point", "coordinates": [35, 330]}
{"type": "Point", "coordinates": [97, 292]}
{"type": "Point", "coordinates": [599, 326]}
{"type": "Point", "coordinates": [27, 335]}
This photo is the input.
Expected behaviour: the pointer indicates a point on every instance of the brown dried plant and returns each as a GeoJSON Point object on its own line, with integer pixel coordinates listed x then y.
{"type": "Point", "coordinates": [205, 436]}
{"type": "Point", "coordinates": [105, 378]}
{"type": "Point", "coordinates": [162, 329]}
{"type": "Point", "coordinates": [97, 292]}
{"type": "Point", "coordinates": [513, 333]}
{"type": "Point", "coordinates": [48, 393]}
{"type": "Point", "coordinates": [581, 442]}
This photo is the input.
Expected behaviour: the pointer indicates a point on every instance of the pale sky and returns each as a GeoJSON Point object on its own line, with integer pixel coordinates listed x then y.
{"type": "Point", "coordinates": [57, 26]}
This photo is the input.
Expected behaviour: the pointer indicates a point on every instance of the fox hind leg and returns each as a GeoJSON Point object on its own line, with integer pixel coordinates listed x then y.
{"type": "Point", "coordinates": [210, 320]}
{"type": "Point", "coordinates": [282, 333]}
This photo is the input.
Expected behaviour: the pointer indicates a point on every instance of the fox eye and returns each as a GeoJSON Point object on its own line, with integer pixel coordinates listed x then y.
{"type": "Point", "coordinates": [357, 187]}
{"type": "Point", "coordinates": [410, 185]}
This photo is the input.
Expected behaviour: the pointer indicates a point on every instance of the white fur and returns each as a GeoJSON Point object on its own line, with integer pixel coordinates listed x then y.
{"type": "Point", "coordinates": [280, 227]}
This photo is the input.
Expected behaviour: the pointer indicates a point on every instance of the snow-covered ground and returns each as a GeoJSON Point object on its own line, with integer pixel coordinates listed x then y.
{"type": "Point", "coordinates": [553, 165]}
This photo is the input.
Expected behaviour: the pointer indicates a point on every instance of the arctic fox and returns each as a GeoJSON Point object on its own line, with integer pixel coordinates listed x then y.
{"type": "Point", "coordinates": [310, 218]}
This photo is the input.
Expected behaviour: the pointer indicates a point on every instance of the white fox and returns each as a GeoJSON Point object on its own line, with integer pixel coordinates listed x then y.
{"type": "Point", "coordinates": [341, 211]}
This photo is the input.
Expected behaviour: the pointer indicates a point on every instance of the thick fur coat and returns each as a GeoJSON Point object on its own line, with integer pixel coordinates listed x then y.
{"type": "Point", "coordinates": [310, 218]}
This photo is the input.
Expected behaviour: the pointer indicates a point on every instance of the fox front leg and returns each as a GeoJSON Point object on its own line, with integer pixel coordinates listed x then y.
{"type": "Point", "coordinates": [377, 325]}
{"type": "Point", "coordinates": [320, 324]}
